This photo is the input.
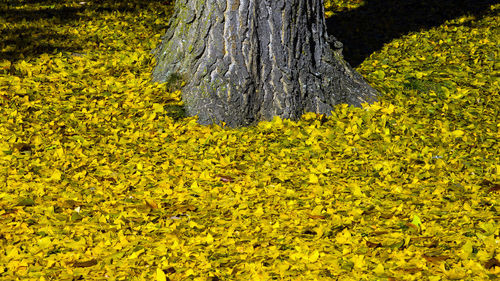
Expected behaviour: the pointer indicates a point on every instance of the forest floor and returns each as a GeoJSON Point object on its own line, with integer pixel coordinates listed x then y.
{"type": "Point", "coordinates": [102, 177]}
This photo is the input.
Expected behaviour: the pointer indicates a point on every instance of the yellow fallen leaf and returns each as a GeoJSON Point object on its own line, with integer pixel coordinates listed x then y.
{"type": "Point", "coordinates": [467, 249]}
{"type": "Point", "coordinates": [356, 191]}
{"type": "Point", "coordinates": [158, 108]}
{"type": "Point", "coordinates": [196, 188]}
{"type": "Point", "coordinates": [151, 204]}
{"type": "Point", "coordinates": [259, 212]}
{"type": "Point", "coordinates": [160, 275]}
{"type": "Point", "coordinates": [44, 242]}
{"type": "Point", "coordinates": [313, 257]}
{"type": "Point", "coordinates": [56, 175]}
{"type": "Point", "coordinates": [209, 238]}
{"type": "Point", "coordinates": [313, 178]}
{"type": "Point", "coordinates": [379, 269]}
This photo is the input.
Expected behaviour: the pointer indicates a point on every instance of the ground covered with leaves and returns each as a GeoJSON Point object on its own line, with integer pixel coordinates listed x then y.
{"type": "Point", "coordinates": [102, 177]}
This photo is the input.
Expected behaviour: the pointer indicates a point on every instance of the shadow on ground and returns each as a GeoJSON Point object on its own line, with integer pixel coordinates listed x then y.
{"type": "Point", "coordinates": [366, 29]}
{"type": "Point", "coordinates": [363, 31]}
{"type": "Point", "coordinates": [26, 39]}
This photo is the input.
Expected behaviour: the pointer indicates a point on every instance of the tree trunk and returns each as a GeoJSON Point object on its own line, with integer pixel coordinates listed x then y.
{"type": "Point", "coordinates": [244, 61]}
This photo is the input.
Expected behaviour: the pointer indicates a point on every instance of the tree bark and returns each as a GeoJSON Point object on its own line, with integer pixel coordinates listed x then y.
{"type": "Point", "coordinates": [245, 61]}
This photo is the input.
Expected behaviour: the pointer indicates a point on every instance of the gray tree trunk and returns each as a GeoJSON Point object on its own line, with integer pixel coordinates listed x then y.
{"type": "Point", "coordinates": [244, 61]}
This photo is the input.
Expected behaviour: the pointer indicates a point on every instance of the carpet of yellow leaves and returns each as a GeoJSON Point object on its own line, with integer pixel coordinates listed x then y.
{"type": "Point", "coordinates": [103, 178]}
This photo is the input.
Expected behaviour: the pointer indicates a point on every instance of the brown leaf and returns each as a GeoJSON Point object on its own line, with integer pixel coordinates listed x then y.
{"type": "Point", "coordinates": [22, 147]}
{"type": "Point", "coordinates": [493, 262]}
{"type": "Point", "coordinates": [170, 270]}
{"type": "Point", "coordinates": [432, 244]}
{"type": "Point", "coordinates": [373, 245]}
{"type": "Point", "coordinates": [317, 217]}
{"type": "Point", "coordinates": [409, 224]}
{"type": "Point", "coordinates": [386, 216]}
{"type": "Point", "coordinates": [88, 263]}
{"type": "Point", "coordinates": [375, 233]}
{"type": "Point", "coordinates": [151, 204]}
{"type": "Point", "coordinates": [71, 204]}
{"type": "Point", "coordinates": [494, 188]}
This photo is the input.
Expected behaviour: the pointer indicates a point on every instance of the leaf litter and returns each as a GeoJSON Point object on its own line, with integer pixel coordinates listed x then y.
{"type": "Point", "coordinates": [102, 177]}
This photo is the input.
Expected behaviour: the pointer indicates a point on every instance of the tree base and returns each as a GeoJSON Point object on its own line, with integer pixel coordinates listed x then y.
{"type": "Point", "coordinates": [245, 61]}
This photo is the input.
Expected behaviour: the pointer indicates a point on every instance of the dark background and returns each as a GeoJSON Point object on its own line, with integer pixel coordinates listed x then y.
{"type": "Point", "coordinates": [366, 29]}
{"type": "Point", "coordinates": [363, 31]}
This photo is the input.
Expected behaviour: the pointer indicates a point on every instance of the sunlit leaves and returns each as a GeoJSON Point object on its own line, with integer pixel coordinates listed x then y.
{"type": "Point", "coordinates": [102, 175]}
{"type": "Point", "coordinates": [335, 6]}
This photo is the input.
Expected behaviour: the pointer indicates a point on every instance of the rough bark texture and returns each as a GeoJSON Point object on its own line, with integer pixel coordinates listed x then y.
{"type": "Point", "coordinates": [244, 61]}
